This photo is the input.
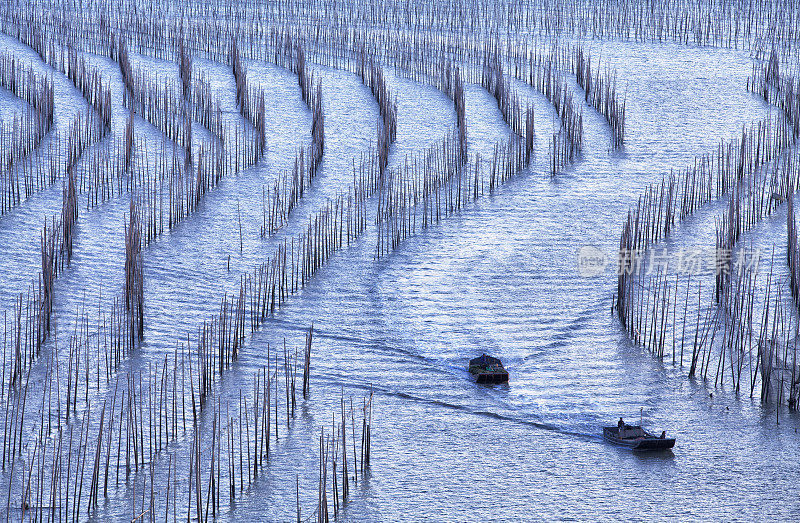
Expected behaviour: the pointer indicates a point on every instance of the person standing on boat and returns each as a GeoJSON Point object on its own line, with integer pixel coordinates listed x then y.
{"type": "Point", "coordinates": [620, 426]}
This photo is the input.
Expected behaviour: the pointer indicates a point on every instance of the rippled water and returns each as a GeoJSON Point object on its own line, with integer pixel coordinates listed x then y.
{"type": "Point", "coordinates": [501, 277]}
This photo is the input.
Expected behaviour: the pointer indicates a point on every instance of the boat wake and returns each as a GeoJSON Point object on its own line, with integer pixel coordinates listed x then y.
{"type": "Point", "coordinates": [537, 424]}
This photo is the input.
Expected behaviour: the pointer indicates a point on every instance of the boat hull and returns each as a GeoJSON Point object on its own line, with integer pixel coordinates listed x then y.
{"type": "Point", "coordinates": [486, 369]}
{"type": "Point", "coordinates": [645, 442]}
{"type": "Point", "coordinates": [655, 444]}
{"type": "Point", "coordinates": [491, 377]}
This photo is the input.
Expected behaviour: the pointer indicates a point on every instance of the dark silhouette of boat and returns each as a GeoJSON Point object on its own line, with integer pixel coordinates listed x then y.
{"type": "Point", "coordinates": [637, 438]}
{"type": "Point", "coordinates": [487, 369]}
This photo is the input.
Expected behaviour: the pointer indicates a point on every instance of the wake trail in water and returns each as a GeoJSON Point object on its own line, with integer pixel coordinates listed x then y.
{"type": "Point", "coordinates": [538, 424]}
{"type": "Point", "coordinates": [561, 339]}
{"type": "Point", "coordinates": [378, 344]}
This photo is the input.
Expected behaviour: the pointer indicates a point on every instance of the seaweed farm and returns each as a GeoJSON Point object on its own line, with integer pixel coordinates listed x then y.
{"type": "Point", "coordinates": [318, 260]}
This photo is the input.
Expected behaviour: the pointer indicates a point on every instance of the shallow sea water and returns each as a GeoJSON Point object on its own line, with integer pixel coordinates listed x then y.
{"type": "Point", "coordinates": [501, 277]}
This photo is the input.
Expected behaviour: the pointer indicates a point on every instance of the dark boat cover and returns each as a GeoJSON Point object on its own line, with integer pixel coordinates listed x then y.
{"type": "Point", "coordinates": [484, 361]}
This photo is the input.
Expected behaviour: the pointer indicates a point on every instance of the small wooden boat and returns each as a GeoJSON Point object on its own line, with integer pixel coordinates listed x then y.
{"type": "Point", "coordinates": [487, 369]}
{"type": "Point", "coordinates": [637, 438]}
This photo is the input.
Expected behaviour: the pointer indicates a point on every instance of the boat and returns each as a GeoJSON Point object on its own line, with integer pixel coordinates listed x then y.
{"type": "Point", "coordinates": [635, 437]}
{"type": "Point", "coordinates": [487, 369]}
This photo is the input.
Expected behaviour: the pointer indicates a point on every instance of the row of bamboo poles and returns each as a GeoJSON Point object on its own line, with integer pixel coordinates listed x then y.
{"type": "Point", "coordinates": [372, 76]}
{"type": "Point", "coordinates": [747, 24]}
{"type": "Point", "coordinates": [664, 205]}
{"type": "Point", "coordinates": [151, 420]}
{"type": "Point", "coordinates": [446, 76]}
{"type": "Point", "coordinates": [22, 136]}
{"type": "Point", "coordinates": [544, 71]}
{"type": "Point", "coordinates": [33, 309]}
{"type": "Point", "coordinates": [83, 131]}
{"type": "Point", "coordinates": [425, 189]}
{"type": "Point", "coordinates": [493, 79]}
{"type": "Point", "coordinates": [656, 319]}
{"type": "Point", "coordinates": [249, 99]}
{"type": "Point", "coordinates": [134, 286]}
{"type": "Point", "coordinates": [287, 191]}
{"type": "Point", "coordinates": [99, 177]}
{"type": "Point", "coordinates": [758, 172]}
{"type": "Point", "coordinates": [219, 339]}
{"type": "Point", "coordinates": [143, 187]}
{"type": "Point", "coordinates": [228, 345]}
{"type": "Point", "coordinates": [428, 188]}
{"type": "Point", "coordinates": [29, 326]}
{"type": "Point", "coordinates": [600, 91]}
